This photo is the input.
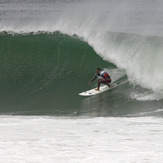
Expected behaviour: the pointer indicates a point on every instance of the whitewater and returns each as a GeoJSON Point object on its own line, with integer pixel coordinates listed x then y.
{"type": "Point", "coordinates": [51, 139]}
{"type": "Point", "coordinates": [49, 50]}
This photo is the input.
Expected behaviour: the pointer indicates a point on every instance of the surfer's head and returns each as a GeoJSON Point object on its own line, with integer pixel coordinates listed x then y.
{"type": "Point", "coordinates": [98, 70]}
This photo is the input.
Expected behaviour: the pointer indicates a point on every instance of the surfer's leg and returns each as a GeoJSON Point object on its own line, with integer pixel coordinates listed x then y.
{"type": "Point", "coordinates": [98, 85]}
{"type": "Point", "coordinates": [103, 81]}
{"type": "Point", "coordinates": [100, 81]}
{"type": "Point", "coordinates": [108, 81]}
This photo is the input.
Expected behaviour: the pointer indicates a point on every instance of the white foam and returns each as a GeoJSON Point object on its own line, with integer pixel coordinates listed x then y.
{"type": "Point", "coordinates": [145, 96]}
{"type": "Point", "coordinates": [50, 139]}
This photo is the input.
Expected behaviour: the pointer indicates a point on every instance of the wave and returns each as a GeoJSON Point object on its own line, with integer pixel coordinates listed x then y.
{"type": "Point", "coordinates": [43, 74]}
{"type": "Point", "coordinates": [113, 35]}
{"type": "Point", "coordinates": [139, 56]}
{"type": "Point", "coordinates": [38, 69]}
{"type": "Point", "coordinates": [49, 49]}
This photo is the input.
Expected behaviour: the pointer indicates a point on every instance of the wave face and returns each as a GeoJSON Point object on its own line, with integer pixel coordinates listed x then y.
{"type": "Point", "coordinates": [45, 70]}
{"type": "Point", "coordinates": [43, 74]}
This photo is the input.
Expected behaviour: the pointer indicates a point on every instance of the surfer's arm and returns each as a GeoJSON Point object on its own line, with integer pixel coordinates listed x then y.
{"type": "Point", "coordinates": [93, 79]}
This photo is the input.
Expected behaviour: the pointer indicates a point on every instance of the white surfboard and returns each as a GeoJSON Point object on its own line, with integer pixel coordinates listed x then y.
{"type": "Point", "coordinates": [103, 88]}
{"type": "Point", "coordinates": [94, 92]}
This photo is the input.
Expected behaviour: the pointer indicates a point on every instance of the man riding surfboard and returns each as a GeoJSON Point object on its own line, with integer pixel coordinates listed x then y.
{"type": "Point", "coordinates": [106, 79]}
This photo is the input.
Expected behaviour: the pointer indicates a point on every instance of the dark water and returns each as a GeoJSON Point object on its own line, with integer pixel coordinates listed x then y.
{"type": "Point", "coordinates": [43, 74]}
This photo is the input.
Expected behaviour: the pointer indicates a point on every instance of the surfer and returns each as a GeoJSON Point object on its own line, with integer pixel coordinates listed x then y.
{"type": "Point", "coordinates": [106, 79]}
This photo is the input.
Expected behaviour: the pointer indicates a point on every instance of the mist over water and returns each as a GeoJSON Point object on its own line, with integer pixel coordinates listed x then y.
{"type": "Point", "coordinates": [130, 16]}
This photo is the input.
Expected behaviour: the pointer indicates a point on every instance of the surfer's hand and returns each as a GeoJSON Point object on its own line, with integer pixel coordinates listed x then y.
{"type": "Point", "coordinates": [89, 83]}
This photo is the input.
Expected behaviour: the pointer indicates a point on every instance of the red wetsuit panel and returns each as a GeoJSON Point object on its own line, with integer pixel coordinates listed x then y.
{"type": "Point", "coordinates": [106, 76]}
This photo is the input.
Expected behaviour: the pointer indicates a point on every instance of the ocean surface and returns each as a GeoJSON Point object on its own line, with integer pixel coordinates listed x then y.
{"type": "Point", "coordinates": [49, 50]}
